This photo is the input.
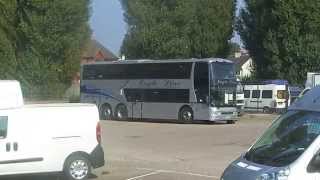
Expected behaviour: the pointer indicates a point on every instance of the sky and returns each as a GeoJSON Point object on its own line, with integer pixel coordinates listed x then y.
{"type": "Point", "coordinates": [108, 26]}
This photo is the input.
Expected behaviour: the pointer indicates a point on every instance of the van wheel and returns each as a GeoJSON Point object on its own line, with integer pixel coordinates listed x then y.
{"type": "Point", "coordinates": [186, 115]}
{"type": "Point", "coordinates": [231, 122]}
{"type": "Point", "coordinates": [77, 167]}
{"type": "Point", "coordinates": [105, 112]}
{"type": "Point", "coordinates": [121, 112]}
{"type": "Point", "coordinates": [266, 110]}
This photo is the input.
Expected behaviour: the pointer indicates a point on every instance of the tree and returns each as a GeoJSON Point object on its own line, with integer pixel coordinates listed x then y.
{"type": "Point", "coordinates": [46, 39]}
{"type": "Point", "coordinates": [162, 29]}
{"type": "Point", "coordinates": [282, 37]}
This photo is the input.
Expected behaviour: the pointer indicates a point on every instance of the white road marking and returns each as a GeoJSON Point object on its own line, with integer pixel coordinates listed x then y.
{"type": "Point", "coordinates": [179, 172]}
{"type": "Point", "coordinates": [141, 176]}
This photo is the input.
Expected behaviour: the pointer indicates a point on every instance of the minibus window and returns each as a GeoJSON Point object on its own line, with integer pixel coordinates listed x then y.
{"type": "Point", "coordinates": [246, 94]}
{"type": "Point", "coordinates": [256, 94]}
{"type": "Point", "coordinates": [267, 94]}
{"type": "Point", "coordinates": [3, 126]}
{"type": "Point", "coordinates": [286, 139]}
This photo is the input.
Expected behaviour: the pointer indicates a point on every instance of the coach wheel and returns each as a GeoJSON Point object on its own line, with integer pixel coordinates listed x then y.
{"type": "Point", "coordinates": [121, 112]}
{"type": "Point", "coordinates": [105, 112]}
{"type": "Point", "coordinates": [186, 115]}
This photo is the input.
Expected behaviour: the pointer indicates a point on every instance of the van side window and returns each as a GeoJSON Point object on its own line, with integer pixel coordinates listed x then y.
{"type": "Point", "coordinates": [3, 126]}
{"type": "Point", "coordinates": [246, 93]}
{"type": "Point", "coordinates": [267, 94]}
{"type": "Point", "coordinates": [256, 94]}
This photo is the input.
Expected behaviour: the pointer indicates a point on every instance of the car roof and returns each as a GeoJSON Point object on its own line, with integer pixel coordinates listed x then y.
{"type": "Point", "coordinates": [308, 102]}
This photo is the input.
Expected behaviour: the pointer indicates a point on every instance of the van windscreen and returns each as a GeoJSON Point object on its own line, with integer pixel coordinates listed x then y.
{"type": "Point", "coordinates": [286, 139]}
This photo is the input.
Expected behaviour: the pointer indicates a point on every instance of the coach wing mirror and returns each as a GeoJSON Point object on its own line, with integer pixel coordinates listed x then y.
{"type": "Point", "coordinates": [121, 92]}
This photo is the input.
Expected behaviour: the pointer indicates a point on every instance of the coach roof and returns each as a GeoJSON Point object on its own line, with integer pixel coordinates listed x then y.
{"type": "Point", "coordinates": [309, 102]}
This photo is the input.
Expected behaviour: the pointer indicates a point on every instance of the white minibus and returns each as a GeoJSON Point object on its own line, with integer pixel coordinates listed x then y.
{"type": "Point", "coordinates": [266, 97]}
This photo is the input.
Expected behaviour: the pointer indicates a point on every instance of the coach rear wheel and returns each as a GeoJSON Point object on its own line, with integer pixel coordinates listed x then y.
{"type": "Point", "coordinates": [105, 112]}
{"type": "Point", "coordinates": [186, 115]}
{"type": "Point", "coordinates": [121, 112]}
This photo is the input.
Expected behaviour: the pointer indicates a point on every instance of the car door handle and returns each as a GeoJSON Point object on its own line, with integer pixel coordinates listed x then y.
{"type": "Point", "coordinates": [8, 147]}
{"type": "Point", "coordinates": [15, 146]}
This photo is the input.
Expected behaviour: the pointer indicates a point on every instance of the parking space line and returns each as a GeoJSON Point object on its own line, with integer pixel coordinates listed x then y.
{"type": "Point", "coordinates": [179, 172]}
{"type": "Point", "coordinates": [141, 176]}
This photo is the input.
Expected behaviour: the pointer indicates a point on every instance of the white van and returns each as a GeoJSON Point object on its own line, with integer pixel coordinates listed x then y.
{"type": "Point", "coordinates": [268, 97]}
{"type": "Point", "coordinates": [288, 150]}
{"type": "Point", "coordinates": [48, 138]}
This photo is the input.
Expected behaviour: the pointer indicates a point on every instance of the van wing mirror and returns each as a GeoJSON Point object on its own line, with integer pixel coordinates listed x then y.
{"type": "Point", "coordinates": [314, 165]}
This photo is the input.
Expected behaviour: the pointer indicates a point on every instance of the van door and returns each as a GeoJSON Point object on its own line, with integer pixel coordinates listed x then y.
{"type": "Point", "coordinates": [6, 153]}
{"type": "Point", "coordinates": [255, 100]}
{"type": "Point", "coordinates": [18, 149]}
{"type": "Point", "coordinates": [247, 98]}
{"type": "Point", "coordinates": [267, 100]}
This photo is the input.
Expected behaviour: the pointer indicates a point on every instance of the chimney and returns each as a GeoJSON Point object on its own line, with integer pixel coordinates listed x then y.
{"type": "Point", "coordinates": [237, 54]}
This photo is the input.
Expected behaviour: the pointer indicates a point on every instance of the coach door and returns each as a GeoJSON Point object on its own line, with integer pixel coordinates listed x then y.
{"type": "Point", "coordinates": [136, 110]}
{"type": "Point", "coordinates": [134, 98]}
{"type": "Point", "coordinates": [201, 82]}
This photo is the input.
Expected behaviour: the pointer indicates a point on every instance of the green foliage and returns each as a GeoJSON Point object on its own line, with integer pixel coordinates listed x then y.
{"type": "Point", "coordinates": [283, 37]}
{"type": "Point", "coordinates": [162, 29]}
{"type": "Point", "coordinates": [41, 42]}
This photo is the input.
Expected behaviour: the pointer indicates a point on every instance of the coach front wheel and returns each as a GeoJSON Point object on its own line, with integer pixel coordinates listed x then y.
{"type": "Point", "coordinates": [186, 115]}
